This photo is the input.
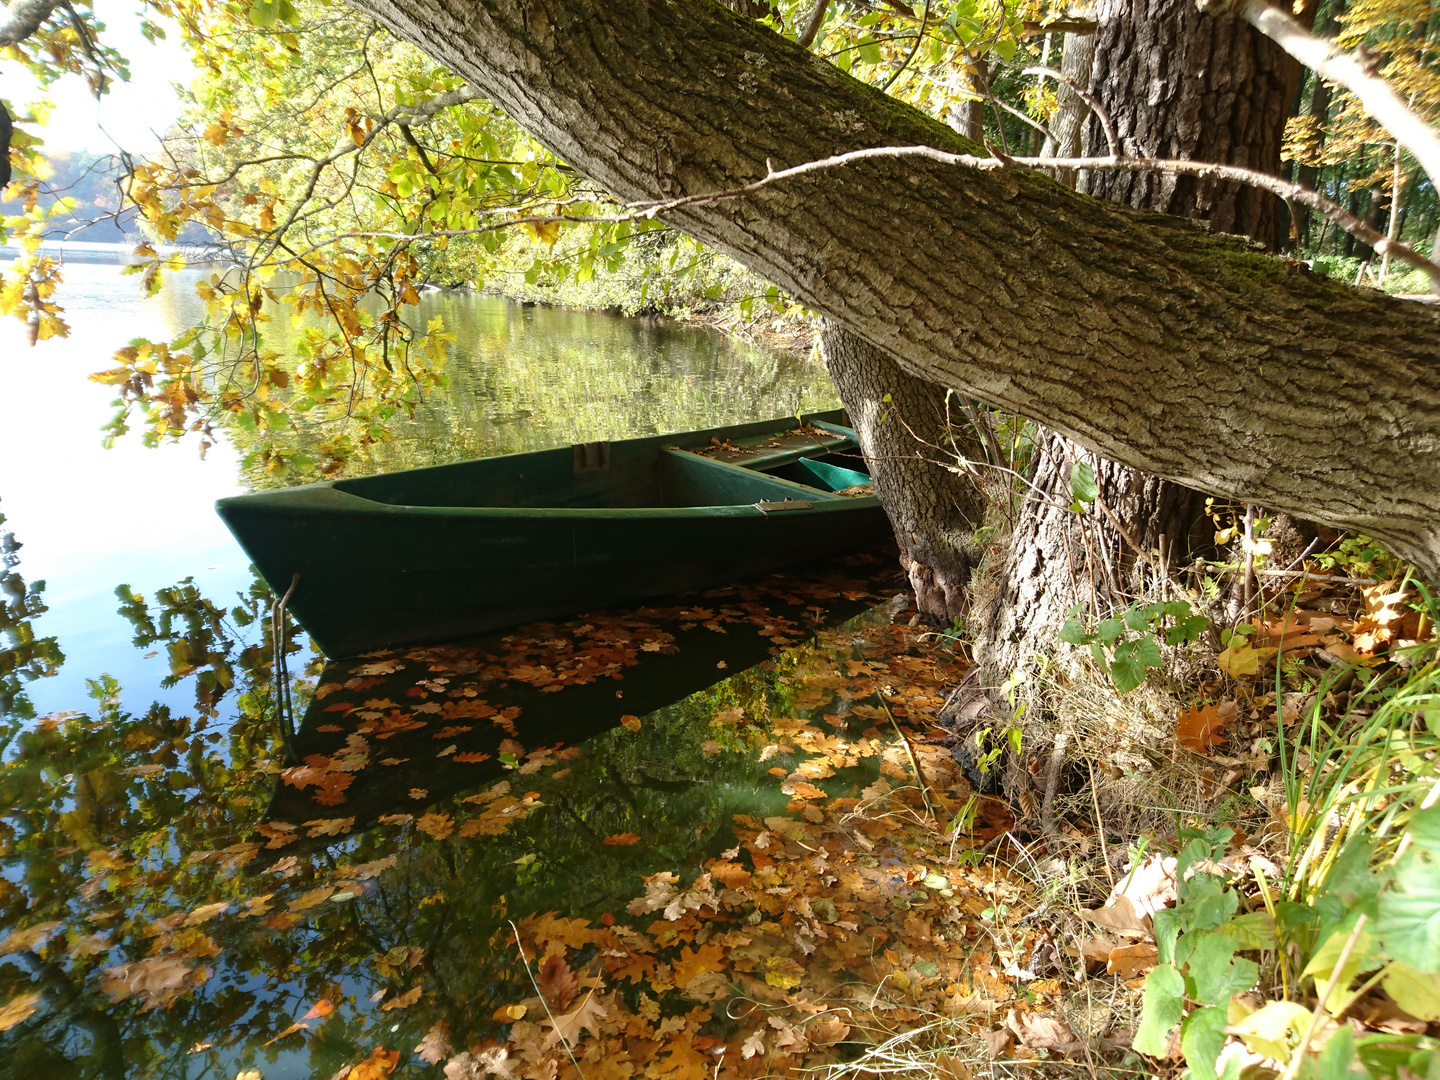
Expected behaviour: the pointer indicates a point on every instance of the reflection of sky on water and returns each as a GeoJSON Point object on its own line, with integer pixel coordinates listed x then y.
{"type": "Point", "coordinates": [522, 378]}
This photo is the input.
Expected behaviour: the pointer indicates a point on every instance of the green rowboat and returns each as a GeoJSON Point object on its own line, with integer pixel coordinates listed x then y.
{"type": "Point", "coordinates": [433, 554]}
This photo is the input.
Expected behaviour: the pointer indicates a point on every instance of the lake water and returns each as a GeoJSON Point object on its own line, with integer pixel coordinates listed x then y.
{"type": "Point", "coordinates": [180, 898]}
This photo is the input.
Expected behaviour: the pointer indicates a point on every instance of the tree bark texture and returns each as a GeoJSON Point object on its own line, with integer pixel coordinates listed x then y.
{"type": "Point", "coordinates": [904, 433]}
{"type": "Point", "coordinates": [1144, 337]}
{"type": "Point", "coordinates": [1179, 83]}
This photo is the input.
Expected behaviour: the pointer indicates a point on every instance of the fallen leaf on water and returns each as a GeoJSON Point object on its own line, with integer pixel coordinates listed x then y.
{"type": "Point", "coordinates": [291, 1030]}
{"type": "Point", "coordinates": [436, 1044]}
{"type": "Point", "coordinates": [155, 980]}
{"type": "Point", "coordinates": [631, 722]}
{"type": "Point", "coordinates": [321, 1009]}
{"type": "Point", "coordinates": [17, 1009]}
{"type": "Point", "coordinates": [586, 1015]}
{"type": "Point", "coordinates": [404, 1001]}
{"type": "Point", "coordinates": [24, 940]}
{"type": "Point", "coordinates": [624, 839]}
{"type": "Point", "coordinates": [377, 1066]}
{"type": "Point", "coordinates": [437, 826]}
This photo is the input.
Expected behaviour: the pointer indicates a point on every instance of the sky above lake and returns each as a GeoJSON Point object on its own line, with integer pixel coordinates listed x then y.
{"type": "Point", "coordinates": [133, 115]}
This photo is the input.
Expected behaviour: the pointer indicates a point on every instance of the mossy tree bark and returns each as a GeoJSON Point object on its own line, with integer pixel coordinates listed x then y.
{"type": "Point", "coordinates": [1144, 337]}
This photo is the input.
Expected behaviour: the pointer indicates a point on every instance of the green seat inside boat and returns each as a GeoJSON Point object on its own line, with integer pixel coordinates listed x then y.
{"type": "Point", "coordinates": [624, 477]}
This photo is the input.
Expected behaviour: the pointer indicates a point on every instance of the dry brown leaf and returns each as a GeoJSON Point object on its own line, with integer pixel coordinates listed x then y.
{"type": "Point", "coordinates": [1150, 886]}
{"type": "Point", "coordinates": [436, 1044]}
{"type": "Point", "coordinates": [998, 1042]}
{"type": "Point", "coordinates": [624, 839]}
{"type": "Point", "coordinates": [1119, 916]}
{"type": "Point", "coordinates": [404, 1001]}
{"type": "Point", "coordinates": [587, 1015]}
{"type": "Point", "coordinates": [1199, 729]}
{"type": "Point", "coordinates": [1128, 961]}
{"type": "Point", "coordinates": [828, 1032]}
{"type": "Point", "coordinates": [1041, 1032]}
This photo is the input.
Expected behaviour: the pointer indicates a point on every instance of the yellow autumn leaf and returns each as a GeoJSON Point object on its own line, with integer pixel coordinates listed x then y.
{"type": "Point", "coordinates": [17, 1009]}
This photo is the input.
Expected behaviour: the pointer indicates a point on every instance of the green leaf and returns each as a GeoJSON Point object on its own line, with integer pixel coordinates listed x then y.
{"type": "Point", "coordinates": [1163, 1006]}
{"type": "Point", "coordinates": [1408, 919]}
{"type": "Point", "coordinates": [1253, 930]}
{"type": "Point", "coordinates": [1082, 482]}
{"type": "Point", "coordinates": [1136, 619]}
{"type": "Point", "coordinates": [1202, 1037]}
{"type": "Point", "coordinates": [1414, 991]}
{"type": "Point", "coordinates": [1109, 629]}
{"type": "Point", "coordinates": [1147, 652]}
{"type": "Point", "coordinates": [1126, 673]}
{"type": "Point", "coordinates": [1215, 973]}
{"type": "Point", "coordinates": [1211, 904]}
{"type": "Point", "coordinates": [1073, 632]}
{"type": "Point", "coordinates": [1424, 829]}
{"type": "Point", "coordinates": [1336, 1060]}
{"type": "Point", "coordinates": [1168, 924]}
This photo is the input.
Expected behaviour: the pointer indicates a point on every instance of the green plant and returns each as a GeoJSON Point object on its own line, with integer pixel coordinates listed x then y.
{"type": "Point", "coordinates": [1128, 644]}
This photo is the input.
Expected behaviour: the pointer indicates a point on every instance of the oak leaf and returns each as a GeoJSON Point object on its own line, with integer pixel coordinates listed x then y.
{"type": "Point", "coordinates": [1200, 728]}
{"type": "Point", "coordinates": [691, 964]}
{"type": "Point", "coordinates": [587, 1015]}
{"type": "Point", "coordinates": [624, 839]}
{"type": "Point", "coordinates": [436, 1044]}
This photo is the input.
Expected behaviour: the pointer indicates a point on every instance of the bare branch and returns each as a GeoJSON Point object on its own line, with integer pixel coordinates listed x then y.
{"type": "Point", "coordinates": [1354, 71]}
{"type": "Point", "coordinates": [1111, 139]}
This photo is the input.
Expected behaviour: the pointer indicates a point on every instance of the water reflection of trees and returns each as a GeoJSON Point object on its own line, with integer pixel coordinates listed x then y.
{"type": "Point", "coordinates": [157, 928]}
{"type": "Point", "coordinates": [526, 378]}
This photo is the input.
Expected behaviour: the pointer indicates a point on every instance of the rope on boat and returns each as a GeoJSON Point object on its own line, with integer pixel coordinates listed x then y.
{"type": "Point", "coordinates": [279, 646]}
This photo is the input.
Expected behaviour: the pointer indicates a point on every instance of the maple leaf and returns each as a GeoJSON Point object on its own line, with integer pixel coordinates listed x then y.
{"type": "Point", "coordinates": [1199, 729]}
{"type": "Point", "coordinates": [691, 964]}
{"type": "Point", "coordinates": [587, 1015]}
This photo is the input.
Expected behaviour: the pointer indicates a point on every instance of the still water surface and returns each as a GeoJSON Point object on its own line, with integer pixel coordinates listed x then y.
{"type": "Point", "coordinates": [173, 907]}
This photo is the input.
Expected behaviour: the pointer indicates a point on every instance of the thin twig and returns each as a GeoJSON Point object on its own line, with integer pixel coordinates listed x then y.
{"type": "Point", "coordinates": [919, 776]}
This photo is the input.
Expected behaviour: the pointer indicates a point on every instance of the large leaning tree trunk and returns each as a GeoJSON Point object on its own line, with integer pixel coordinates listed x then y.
{"type": "Point", "coordinates": [1144, 337]}
{"type": "Point", "coordinates": [1175, 83]}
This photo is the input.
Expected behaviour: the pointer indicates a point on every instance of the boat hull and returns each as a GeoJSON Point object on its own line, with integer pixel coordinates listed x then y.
{"type": "Point", "coordinates": [377, 574]}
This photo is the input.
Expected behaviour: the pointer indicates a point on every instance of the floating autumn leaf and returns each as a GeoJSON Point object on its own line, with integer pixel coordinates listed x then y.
{"type": "Point", "coordinates": [156, 980]}
{"type": "Point", "coordinates": [585, 1016]}
{"type": "Point", "coordinates": [27, 939]}
{"type": "Point", "coordinates": [624, 839]}
{"type": "Point", "coordinates": [437, 826]}
{"type": "Point", "coordinates": [630, 722]}
{"type": "Point", "coordinates": [404, 1001]}
{"type": "Point", "coordinates": [435, 1047]}
{"type": "Point", "coordinates": [379, 1065]}
{"type": "Point", "coordinates": [321, 1009]}
{"type": "Point", "coordinates": [1200, 728]}
{"type": "Point", "coordinates": [558, 983]}
{"type": "Point", "coordinates": [784, 972]}
{"type": "Point", "coordinates": [693, 963]}
{"type": "Point", "coordinates": [18, 1009]}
